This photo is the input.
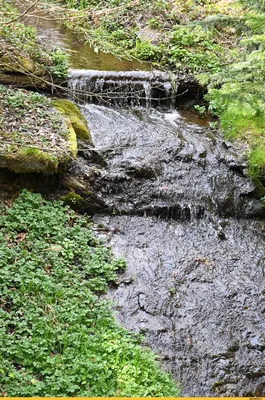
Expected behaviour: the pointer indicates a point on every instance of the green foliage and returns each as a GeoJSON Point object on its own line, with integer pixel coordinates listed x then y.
{"type": "Point", "coordinates": [57, 337]}
{"type": "Point", "coordinates": [21, 51]}
{"type": "Point", "coordinates": [240, 107]}
{"type": "Point", "coordinates": [34, 137]}
{"type": "Point", "coordinates": [193, 48]}
{"type": "Point", "coordinates": [79, 4]}
{"type": "Point", "coordinates": [256, 4]}
{"type": "Point", "coordinates": [190, 35]}
{"type": "Point", "coordinates": [22, 99]}
{"type": "Point", "coordinates": [200, 109]}
{"type": "Point", "coordinates": [18, 109]}
{"type": "Point", "coordinates": [154, 23]}
{"type": "Point", "coordinates": [60, 64]}
{"type": "Point", "coordinates": [147, 51]}
{"type": "Point", "coordinates": [83, 4]}
{"type": "Point", "coordinates": [257, 161]}
{"type": "Point", "coordinates": [237, 96]}
{"type": "Point", "coordinates": [73, 200]}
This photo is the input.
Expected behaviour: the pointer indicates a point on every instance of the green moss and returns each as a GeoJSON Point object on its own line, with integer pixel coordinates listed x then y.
{"type": "Point", "coordinates": [20, 64]}
{"type": "Point", "coordinates": [29, 160]}
{"type": "Point", "coordinates": [71, 139]}
{"type": "Point", "coordinates": [78, 121]}
{"type": "Point", "coordinates": [73, 200]}
{"type": "Point", "coordinates": [257, 161]}
{"type": "Point", "coordinates": [81, 129]}
{"type": "Point", "coordinates": [68, 108]}
{"type": "Point", "coordinates": [26, 64]}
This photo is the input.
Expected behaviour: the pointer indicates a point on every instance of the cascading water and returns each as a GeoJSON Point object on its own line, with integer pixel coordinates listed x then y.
{"type": "Point", "coordinates": [182, 214]}
{"type": "Point", "coordinates": [181, 211]}
{"type": "Point", "coordinates": [130, 88]}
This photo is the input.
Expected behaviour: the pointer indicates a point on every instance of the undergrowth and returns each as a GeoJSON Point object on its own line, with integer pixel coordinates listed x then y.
{"type": "Point", "coordinates": [57, 337]}
{"type": "Point", "coordinates": [28, 120]}
{"type": "Point", "coordinates": [237, 96]}
{"type": "Point", "coordinates": [21, 51]}
{"type": "Point", "coordinates": [187, 39]}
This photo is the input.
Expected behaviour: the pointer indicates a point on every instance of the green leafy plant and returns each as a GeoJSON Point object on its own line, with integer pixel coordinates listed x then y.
{"type": "Point", "coordinates": [147, 51]}
{"type": "Point", "coordinates": [154, 23]}
{"type": "Point", "coordinates": [58, 338]}
{"type": "Point", "coordinates": [22, 52]}
{"type": "Point", "coordinates": [60, 64]}
{"type": "Point", "coordinates": [200, 109]}
{"type": "Point", "coordinates": [236, 94]}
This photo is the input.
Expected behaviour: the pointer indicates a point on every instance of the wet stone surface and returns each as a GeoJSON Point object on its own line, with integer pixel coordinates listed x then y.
{"type": "Point", "coordinates": [159, 164]}
{"type": "Point", "coordinates": [185, 224]}
{"type": "Point", "coordinates": [198, 299]}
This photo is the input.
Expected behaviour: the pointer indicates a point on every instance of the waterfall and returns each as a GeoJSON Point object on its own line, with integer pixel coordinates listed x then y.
{"type": "Point", "coordinates": [130, 88]}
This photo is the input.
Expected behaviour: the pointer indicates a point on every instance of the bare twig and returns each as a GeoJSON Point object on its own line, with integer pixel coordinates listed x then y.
{"type": "Point", "coordinates": [21, 15]}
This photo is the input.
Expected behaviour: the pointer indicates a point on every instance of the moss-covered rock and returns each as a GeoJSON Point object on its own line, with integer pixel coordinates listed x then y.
{"type": "Point", "coordinates": [67, 108]}
{"type": "Point", "coordinates": [77, 190]}
{"type": "Point", "coordinates": [71, 139]}
{"type": "Point", "coordinates": [24, 81]}
{"type": "Point", "coordinates": [34, 137]}
{"type": "Point", "coordinates": [259, 191]}
{"type": "Point", "coordinates": [20, 64]}
{"type": "Point", "coordinates": [80, 129]}
{"type": "Point", "coordinates": [73, 200]}
{"type": "Point", "coordinates": [33, 160]}
{"type": "Point", "coordinates": [29, 160]}
{"type": "Point", "coordinates": [88, 204]}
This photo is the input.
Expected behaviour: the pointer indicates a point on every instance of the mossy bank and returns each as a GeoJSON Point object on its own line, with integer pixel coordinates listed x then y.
{"type": "Point", "coordinates": [22, 53]}
{"type": "Point", "coordinates": [34, 136]}
{"type": "Point", "coordinates": [74, 115]}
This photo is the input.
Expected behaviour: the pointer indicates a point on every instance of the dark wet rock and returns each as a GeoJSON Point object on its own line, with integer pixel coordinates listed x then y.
{"type": "Point", "coordinates": [161, 165]}
{"type": "Point", "coordinates": [198, 300]}
{"type": "Point", "coordinates": [194, 286]}
{"type": "Point", "coordinates": [80, 195]}
{"type": "Point", "coordinates": [92, 156]}
{"type": "Point", "coordinates": [142, 171]}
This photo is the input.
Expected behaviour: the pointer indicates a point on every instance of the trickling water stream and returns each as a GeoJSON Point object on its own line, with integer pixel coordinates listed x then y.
{"type": "Point", "coordinates": [183, 215]}
{"type": "Point", "coordinates": [54, 35]}
{"type": "Point", "coordinates": [195, 281]}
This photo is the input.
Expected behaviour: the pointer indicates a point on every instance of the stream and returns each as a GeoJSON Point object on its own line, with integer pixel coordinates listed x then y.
{"type": "Point", "coordinates": [182, 213]}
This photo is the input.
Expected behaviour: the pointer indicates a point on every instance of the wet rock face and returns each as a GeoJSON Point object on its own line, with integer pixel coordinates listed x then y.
{"type": "Point", "coordinates": [198, 299]}
{"type": "Point", "coordinates": [194, 285]}
{"type": "Point", "coordinates": [158, 164]}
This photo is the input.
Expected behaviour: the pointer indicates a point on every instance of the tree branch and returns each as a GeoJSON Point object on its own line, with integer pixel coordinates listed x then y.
{"type": "Point", "coordinates": [21, 15]}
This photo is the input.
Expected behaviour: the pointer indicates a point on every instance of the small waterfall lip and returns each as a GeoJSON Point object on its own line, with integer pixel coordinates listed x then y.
{"type": "Point", "coordinates": [130, 75]}
{"type": "Point", "coordinates": [130, 88]}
